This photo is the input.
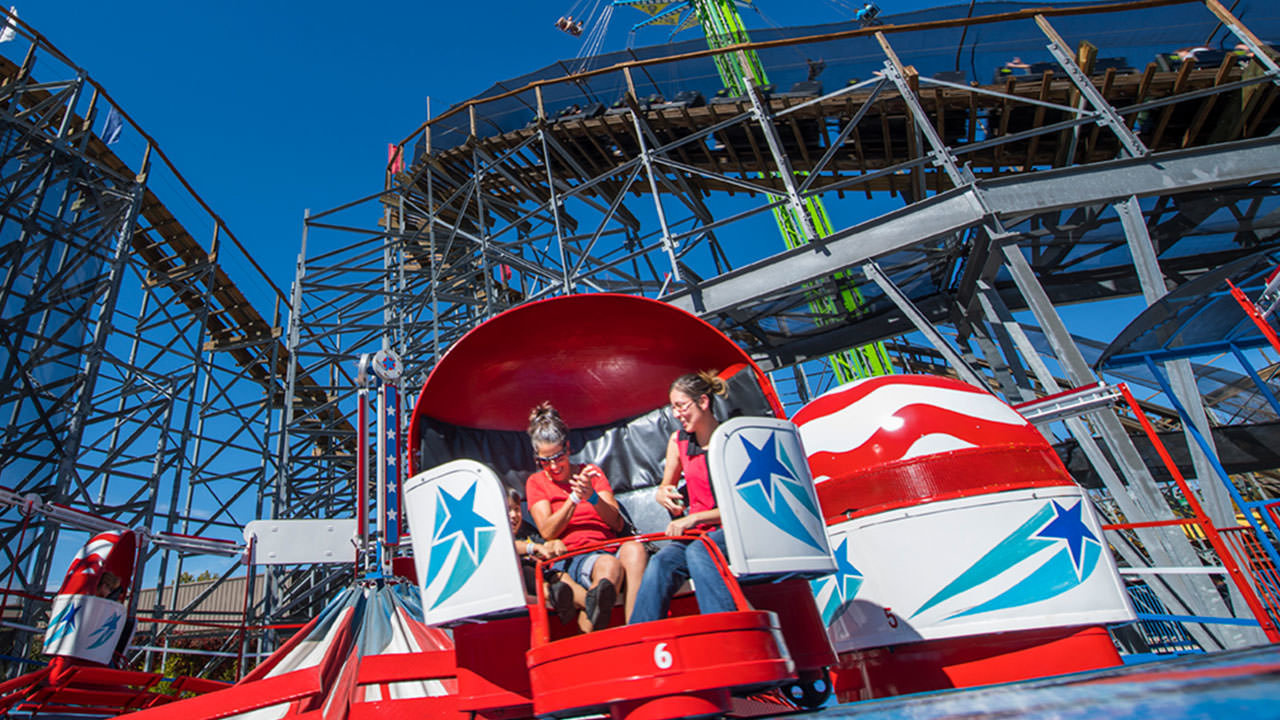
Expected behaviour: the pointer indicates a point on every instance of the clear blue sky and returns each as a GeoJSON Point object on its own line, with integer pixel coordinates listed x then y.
{"type": "Point", "coordinates": [272, 107]}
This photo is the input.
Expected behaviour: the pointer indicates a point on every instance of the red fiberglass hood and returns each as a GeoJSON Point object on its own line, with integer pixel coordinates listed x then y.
{"type": "Point", "coordinates": [598, 358]}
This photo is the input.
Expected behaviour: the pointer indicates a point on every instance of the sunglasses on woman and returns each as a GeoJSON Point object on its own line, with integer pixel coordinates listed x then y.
{"type": "Point", "coordinates": [552, 458]}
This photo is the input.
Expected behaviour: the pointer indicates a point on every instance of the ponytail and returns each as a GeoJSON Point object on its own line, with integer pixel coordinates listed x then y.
{"type": "Point", "coordinates": [705, 382]}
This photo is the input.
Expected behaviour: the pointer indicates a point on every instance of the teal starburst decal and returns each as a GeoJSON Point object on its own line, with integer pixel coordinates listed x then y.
{"type": "Point", "coordinates": [770, 470]}
{"type": "Point", "coordinates": [457, 524]}
{"type": "Point", "coordinates": [840, 588]}
{"type": "Point", "coordinates": [1075, 559]}
{"type": "Point", "coordinates": [105, 631]}
{"type": "Point", "coordinates": [62, 623]}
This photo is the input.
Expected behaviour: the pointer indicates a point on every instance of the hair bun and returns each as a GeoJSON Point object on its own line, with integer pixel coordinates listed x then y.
{"type": "Point", "coordinates": [544, 411]}
{"type": "Point", "coordinates": [703, 382]}
{"type": "Point", "coordinates": [546, 425]}
{"type": "Point", "coordinates": [716, 385]}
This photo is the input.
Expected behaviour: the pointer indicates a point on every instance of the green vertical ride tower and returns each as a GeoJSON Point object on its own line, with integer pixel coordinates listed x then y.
{"type": "Point", "coordinates": [723, 27]}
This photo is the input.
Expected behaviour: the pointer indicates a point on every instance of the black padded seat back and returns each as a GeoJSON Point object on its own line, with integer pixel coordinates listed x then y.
{"type": "Point", "coordinates": [643, 511]}
{"type": "Point", "coordinates": [631, 452]}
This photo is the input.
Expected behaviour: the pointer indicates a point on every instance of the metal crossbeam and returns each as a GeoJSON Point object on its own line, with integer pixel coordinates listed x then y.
{"type": "Point", "coordinates": [1156, 174]}
{"type": "Point", "coordinates": [1068, 403]}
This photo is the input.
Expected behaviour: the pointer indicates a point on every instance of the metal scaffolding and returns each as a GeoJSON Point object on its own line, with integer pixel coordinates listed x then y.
{"type": "Point", "coordinates": [1086, 180]}
{"type": "Point", "coordinates": [140, 387]}
{"type": "Point", "coordinates": [143, 388]}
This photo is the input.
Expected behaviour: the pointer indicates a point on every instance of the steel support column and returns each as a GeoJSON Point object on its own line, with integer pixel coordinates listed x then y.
{"type": "Point", "coordinates": [922, 325]}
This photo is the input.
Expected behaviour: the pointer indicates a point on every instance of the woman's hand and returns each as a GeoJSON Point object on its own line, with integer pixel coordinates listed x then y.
{"type": "Point", "coordinates": [670, 499]}
{"type": "Point", "coordinates": [581, 482]}
{"type": "Point", "coordinates": [680, 526]}
{"type": "Point", "coordinates": [581, 487]}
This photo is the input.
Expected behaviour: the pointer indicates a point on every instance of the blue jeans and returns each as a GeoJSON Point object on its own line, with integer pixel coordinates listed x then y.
{"type": "Point", "coordinates": [670, 567]}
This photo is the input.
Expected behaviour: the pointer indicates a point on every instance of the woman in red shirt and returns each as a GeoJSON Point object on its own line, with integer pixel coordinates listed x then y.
{"type": "Point", "coordinates": [575, 504]}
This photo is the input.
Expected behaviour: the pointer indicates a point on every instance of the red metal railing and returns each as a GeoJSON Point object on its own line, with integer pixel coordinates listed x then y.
{"type": "Point", "coordinates": [538, 614]}
{"type": "Point", "coordinates": [1201, 519]}
{"type": "Point", "coordinates": [1273, 509]}
{"type": "Point", "coordinates": [1266, 578]}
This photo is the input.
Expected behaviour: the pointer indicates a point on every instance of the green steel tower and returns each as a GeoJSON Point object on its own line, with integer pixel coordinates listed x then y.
{"type": "Point", "coordinates": [723, 27]}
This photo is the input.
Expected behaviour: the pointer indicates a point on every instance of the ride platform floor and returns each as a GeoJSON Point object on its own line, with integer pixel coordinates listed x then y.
{"type": "Point", "coordinates": [1236, 683]}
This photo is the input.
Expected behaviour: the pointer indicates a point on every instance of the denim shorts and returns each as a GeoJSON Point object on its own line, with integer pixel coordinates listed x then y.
{"type": "Point", "coordinates": [579, 567]}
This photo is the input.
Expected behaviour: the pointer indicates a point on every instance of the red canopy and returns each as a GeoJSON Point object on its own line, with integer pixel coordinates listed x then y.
{"type": "Point", "coordinates": [598, 358]}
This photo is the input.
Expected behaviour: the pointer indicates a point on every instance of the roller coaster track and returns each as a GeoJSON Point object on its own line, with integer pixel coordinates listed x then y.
{"type": "Point", "coordinates": [171, 253]}
{"type": "Point", "coordinates": [1026, 128]}
{"type": "Point", "coordinates": [120, 412]}
{"type": "Point", "coordinates": [896, 131]}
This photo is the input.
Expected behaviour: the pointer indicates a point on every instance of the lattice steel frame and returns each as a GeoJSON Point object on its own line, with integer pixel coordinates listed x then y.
{"type": "Point", "coordinates": [140, 387]}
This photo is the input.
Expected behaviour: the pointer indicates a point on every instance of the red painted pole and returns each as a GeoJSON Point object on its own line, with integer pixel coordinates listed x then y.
{"type": "Point", "coordinates": [1252, 311]}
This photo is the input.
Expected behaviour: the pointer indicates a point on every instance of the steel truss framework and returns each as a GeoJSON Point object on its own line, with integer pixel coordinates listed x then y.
{"type": "Point", "coordinates": [139, 387]}
{"type": "Point", "coordinates": [143, 390]}
{"type": "Point", "coordinates": [1019, 195]}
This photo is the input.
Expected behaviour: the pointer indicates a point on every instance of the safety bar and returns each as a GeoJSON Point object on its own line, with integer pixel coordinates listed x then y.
{"type": "Point", "coordinates": [538, 615]}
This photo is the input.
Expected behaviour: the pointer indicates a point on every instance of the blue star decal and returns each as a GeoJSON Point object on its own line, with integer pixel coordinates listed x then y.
{"type": "Point", "coordinates": [834, 592]}
{"type": "Point", "coordinates": [70, 617]}
{"type": "Point", "coordinates": [457, 523]}
{"type": "Point", "coordinates": [104, 633]}
{"type": "Point", "coordinates": [1041, 536]}
{"type": "Point", "coordinates": [1068, 525]}
{"type": "Point", "coordinates": [769, 468]}
{"type": "Point", "coordinates": [463, 520]}
{"type": "Point", "coordinates": [762, 465]}
{"type": "Point", "coordinates": [64, 623]}
{"type": "Point", "coordinates": [848, 579]}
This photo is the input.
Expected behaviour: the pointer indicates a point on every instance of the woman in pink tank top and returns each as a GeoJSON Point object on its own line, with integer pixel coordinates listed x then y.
{"type": "Point", "coordinates": [690, 397]}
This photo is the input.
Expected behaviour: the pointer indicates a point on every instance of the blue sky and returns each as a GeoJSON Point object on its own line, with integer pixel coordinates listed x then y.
{"type": "Point", "coordinates": [270, 107]}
